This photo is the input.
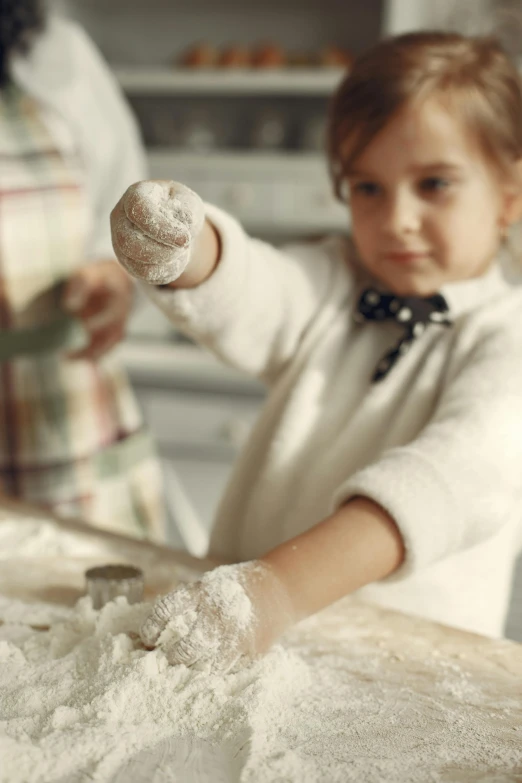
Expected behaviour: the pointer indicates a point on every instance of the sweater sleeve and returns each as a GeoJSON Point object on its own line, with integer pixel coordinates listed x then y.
{"type": "Point", "coordinates": [460, 480]}
{"type": "Point", "coordinates": [259, 302]}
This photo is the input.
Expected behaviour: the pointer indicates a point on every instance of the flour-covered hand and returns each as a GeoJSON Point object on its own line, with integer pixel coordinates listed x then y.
{"type": "Point", "coordinates": [154, 226]}
{"type": "Point", "coordinates": [232, 612]}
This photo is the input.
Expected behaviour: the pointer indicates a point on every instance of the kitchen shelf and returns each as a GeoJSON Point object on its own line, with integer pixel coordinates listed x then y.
{"type": "Point", "coordinates": [272, 194]}
{"type": "Point", "coordinates": [175, 81]}
{"type": "Point", "coordinates": [292, 163]}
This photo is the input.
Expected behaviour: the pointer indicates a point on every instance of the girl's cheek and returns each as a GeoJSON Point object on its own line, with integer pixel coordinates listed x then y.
{"type": "Point", "coordinates": [362, 220]}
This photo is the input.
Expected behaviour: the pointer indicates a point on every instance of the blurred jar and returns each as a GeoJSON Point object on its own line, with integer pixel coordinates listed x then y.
{"type": "Point", "coordinates": [269, 131]}
{"type": "Point", "coordinates": [199, 133]}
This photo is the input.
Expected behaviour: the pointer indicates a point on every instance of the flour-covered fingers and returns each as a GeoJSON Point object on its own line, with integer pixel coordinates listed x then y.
{"type": "Point", "coordinates": [227, 660]}
{"type": "Point", "coordinates": [171, 616]}
{"type": "Point", "coordinates": [155, 274]}
{"type": "Point", "coordinates": [143, 257]}
{"type": "Point", "coordinates": [187, 652]}
{"type": "Point", "coordinates": [128, 239]}
{"type": "Point", "coordinates": [168, 212]}
{"type": "Point", "coordinates": [233, 612]}
{"type": "Point", "coordinates": [153, 228]}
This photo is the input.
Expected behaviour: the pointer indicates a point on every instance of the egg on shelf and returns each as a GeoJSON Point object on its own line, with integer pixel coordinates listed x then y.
{"type": "Point", "coordinates": [335, 57]}
{"type": "Point", "coordinates": [269, 55]}
{"type": "Point", "coordinates": [235, 56]}
{"type": "Point", "coordinates": [200, 55]}
{"type": "Point", "coordinates": [265, 55]}
{"type": "Point", "coordinates": [301, 59]}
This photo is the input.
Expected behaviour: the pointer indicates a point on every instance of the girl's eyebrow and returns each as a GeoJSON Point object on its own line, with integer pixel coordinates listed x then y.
{"type": "Point", "coordinates": [439, 165]}
{"type": "Point", "coordinates": [351, 172]}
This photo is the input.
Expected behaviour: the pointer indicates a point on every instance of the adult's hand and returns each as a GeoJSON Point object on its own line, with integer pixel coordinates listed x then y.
{"type": "Point", "coordinates": [101, 295]}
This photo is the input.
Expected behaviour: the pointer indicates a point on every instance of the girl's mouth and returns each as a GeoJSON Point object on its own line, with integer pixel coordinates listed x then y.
{"type": "Point", "coordinates": [405, 257]}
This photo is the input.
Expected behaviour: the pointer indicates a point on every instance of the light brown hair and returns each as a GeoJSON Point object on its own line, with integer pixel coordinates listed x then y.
{"type": "Point", "coordinates": [474, 76]}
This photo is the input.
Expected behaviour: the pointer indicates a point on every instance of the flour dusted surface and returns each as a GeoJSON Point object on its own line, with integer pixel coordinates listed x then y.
{"type": "Point", "coordinates": [355, 694]}
{"type": "Point", "coordinates": [79, 701]}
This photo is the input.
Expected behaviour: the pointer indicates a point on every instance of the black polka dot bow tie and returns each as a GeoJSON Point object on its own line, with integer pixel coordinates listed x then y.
{"type": "Point", "coordinates": [413, 313]}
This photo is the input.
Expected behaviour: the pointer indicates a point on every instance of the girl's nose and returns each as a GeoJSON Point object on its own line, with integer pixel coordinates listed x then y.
{"type": "Point", "coordinates": [402, 214]}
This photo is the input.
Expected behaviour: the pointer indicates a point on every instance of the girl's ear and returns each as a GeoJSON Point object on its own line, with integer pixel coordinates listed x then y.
{"type": "Point", "coordinates": [513, 197]}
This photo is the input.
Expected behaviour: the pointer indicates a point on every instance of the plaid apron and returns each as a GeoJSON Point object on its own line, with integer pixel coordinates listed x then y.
{"type": "Point", "coordinates": [71, 433]}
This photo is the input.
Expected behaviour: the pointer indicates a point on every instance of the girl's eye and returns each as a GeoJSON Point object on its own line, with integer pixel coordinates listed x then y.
{"type": "Point", "coordinates": [434, 184]}
{"type": "Point", "coordinates": [366, 188]}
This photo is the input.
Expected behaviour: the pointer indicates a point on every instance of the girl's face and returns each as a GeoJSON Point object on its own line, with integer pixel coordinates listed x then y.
{"type": "Point", "coordinates": [427, 207]}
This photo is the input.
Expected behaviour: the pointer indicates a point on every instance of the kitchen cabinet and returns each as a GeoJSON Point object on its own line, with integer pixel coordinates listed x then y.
{"type": "Point", "coordinates": [250, 139]}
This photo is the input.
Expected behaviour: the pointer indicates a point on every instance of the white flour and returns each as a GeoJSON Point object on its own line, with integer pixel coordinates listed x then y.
{"type": "Point", "coordinates": [81, 701]}
{"type": "Point", "coordinates": [35, 537]}
{"type": "Point", "coordinates": [153, 233]}
{"type": "Point", "coordinates": [85, 697]}
{"type": "Point", "coordinates": [227, 599]}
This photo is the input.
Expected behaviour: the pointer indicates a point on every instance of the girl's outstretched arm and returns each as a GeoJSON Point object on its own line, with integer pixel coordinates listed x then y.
{"type": "Point", "coordinates": [358, 544]}
{"type": "Point", "coordinates": [241, 610]}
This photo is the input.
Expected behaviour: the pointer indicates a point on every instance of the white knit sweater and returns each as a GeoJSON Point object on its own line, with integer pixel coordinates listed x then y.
{"type": "Point", "coordinates": [437, 443]}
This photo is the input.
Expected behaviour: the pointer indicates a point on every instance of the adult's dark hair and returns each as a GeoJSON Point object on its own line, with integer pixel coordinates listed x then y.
{"type": "Point", "coordinates": [20, 20]}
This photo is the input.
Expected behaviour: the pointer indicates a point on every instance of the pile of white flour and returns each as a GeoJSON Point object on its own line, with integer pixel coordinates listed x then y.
{"type": "Point", "coordinates": [36, 537]}
{"type": "Point", "coordinates": [78, 701]}
{"type": "Point", "coordinates": [84, 701]}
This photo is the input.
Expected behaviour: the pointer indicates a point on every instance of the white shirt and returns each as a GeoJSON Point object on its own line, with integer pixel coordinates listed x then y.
{"type": "Point", "coordinates": [437, 443]}
{"type": "Point", "coordinates": [86, 113]}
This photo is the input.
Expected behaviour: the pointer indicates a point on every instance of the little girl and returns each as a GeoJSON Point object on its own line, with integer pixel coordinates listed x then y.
{"type": "Point", "coordinates": [388, 457]}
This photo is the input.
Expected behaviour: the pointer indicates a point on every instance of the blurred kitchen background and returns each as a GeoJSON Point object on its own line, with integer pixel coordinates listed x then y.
{"type": "Point", "coordinates": [231, 97]}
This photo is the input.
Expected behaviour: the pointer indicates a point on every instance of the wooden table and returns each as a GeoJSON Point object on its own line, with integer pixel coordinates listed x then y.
{"type": "Point", "coordinates": [415, 662]}
{"type": "Point", "coordinates": [60, 580]}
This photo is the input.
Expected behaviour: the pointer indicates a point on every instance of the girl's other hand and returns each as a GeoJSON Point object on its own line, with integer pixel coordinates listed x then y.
{"type": "Point", "coordinates": [101, 295]}
{"type": "Point", "coordinates": [233, 612]}
{"type": "Point", "coordinates": [153, 226]}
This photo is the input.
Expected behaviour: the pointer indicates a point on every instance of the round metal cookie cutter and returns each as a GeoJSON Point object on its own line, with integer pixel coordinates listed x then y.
{"type": "Point", "coordinates": [107, 582]}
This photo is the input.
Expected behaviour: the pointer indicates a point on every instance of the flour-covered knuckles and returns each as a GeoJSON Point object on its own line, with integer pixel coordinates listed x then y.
{"type": "Point", "coordinates": [154, 226]}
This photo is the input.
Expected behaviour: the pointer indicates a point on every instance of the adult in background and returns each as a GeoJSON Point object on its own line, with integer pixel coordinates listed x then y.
{"type": "Point", "coordinates": [71, 434]}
